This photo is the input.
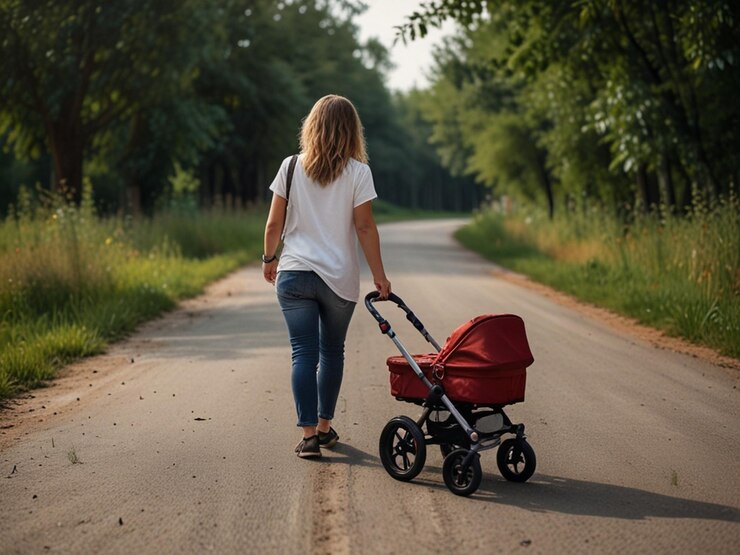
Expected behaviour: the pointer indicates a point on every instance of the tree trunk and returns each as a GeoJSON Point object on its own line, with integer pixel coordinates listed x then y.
{"type": "Point", "coordinates": [653, 190]}
{"type": "Point", "coordinates": [665, 182]}
{"type": "Point", "coordinates": [241, 176]}
{"type": "Point", "coordinates": [647, 186]}
{"type": "Point", "coordinates": [686, 187]}
{"type": "Point", "coordinates": [203, 189]}
{"type": "Point", "coordinates": [642, 187]}
{"type": "Point", "coordinates": [218, 191]}
{"type": "Point", "coordinates": [259, 185]}
{"type": "Point", "coordinates": [136, 140]}
{"type": "Point", "coordinates": [67, 150]}
{"type": "Point", "coordinates": [208, 187]}
{"type": "Point", "coordinates": [133, 196]}
{"type": "Point", "coordinates": [687, 198]}
{"type": "Point", "coordinates": [228, 189]}
{"type": "Point", "coordinates": [546, 184]}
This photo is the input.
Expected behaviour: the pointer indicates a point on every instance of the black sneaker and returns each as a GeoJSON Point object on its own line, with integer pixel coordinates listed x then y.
{"type": "Point", "coordinates": [329, 439]}
{"type": "Point", "coordinates": [309, 447]}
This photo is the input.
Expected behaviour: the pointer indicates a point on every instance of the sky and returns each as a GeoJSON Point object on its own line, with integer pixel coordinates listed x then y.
{"type": "Point", "coordinates": [411, 60]}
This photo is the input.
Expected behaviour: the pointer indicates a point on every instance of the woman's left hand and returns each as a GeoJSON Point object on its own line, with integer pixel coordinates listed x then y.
{"type": "Point", "coordinates": [269, 270]}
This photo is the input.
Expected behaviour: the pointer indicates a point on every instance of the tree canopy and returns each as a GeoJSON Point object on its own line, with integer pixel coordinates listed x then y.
{"type": "Point", "coordinates": [627, 103]}
{"type": "Point", "coordinates": [130, 93]}
{"type": "Point", "coordinates": [73, 72]}
{"type": "Point", "coordinates": [610, 99]}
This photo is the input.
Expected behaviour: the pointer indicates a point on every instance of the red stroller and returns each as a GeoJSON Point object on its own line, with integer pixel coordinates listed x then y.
{"type": "Point", "coordinates": [463, 388]}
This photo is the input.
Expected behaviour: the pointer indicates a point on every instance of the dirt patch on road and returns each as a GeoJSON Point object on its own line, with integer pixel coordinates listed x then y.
{"type": "Point", "coordinates": [623, 324]}
{"type": "Point", "coordinates": [330, 527]}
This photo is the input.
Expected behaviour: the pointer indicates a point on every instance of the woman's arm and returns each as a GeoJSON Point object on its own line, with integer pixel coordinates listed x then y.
{"type": "Point", "coordinates": [273, 231]}
{"type": "Point", "coordinates": [367, 233]}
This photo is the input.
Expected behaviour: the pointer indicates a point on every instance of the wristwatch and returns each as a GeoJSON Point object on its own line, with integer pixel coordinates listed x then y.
{"type": "Point", "coordinates": [268, 259]}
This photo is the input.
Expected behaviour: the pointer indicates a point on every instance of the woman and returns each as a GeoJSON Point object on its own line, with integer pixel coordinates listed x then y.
{"type": "Point", "coordinates": [318, 278]}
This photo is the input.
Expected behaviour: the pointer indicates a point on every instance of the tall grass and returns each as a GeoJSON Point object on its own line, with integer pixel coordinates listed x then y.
{"type": "Point", "coordinates": [71, 281]}
{"type": "Point", "coordinates": [680, 274]}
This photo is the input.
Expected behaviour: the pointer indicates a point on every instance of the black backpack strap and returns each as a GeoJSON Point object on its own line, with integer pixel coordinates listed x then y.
{"type": "Point", "coordinates": [291, 169]}
{"type": "Point", "coordinates": [288, 183]}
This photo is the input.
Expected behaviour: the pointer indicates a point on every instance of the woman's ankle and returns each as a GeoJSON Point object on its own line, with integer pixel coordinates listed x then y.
{"type": "Point", "coordinates": [324, 426]}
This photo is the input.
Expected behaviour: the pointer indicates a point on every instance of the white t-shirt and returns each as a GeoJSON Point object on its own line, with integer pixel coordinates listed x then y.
{"type": "Point", "coordinates": [319, 228]}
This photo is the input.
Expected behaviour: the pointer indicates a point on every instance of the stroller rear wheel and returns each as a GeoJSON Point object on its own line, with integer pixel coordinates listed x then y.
{"type": "Point", "coordinates": [516, 460]}
{"type": "Point", "coordinates": [403, 450]}
{"type": "Point", "coordinates": [458, 480]}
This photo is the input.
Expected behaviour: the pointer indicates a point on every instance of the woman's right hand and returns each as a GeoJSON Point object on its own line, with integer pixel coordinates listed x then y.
{"type": "Point", "coordinates": [383, 287]}
{"type": "Point", "coordinates": [269, 271]}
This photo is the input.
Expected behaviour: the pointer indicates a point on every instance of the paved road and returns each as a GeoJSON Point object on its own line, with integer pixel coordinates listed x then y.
{"type": "Point", "coordinates": [185, 436]}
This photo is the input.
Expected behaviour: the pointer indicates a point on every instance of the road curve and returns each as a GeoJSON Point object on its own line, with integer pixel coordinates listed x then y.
{"type": "Point", "coordinates": [184, 435]}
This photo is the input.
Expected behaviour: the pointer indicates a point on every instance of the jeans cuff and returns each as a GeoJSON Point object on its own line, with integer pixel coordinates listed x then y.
{"type": "Point", "coordinates": [302, 424]}
{"type": "Point", "coordinates": [326, 417]}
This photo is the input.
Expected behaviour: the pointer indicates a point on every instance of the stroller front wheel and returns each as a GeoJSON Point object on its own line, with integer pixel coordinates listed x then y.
{"type": "Point", "coordinates": [447, 448]}
{"type": "Point", "coordinates": [403, 450]}
{"type": "Point", "coordinates": [459, 480]}
{"type": "Point", "coordinates": [516, 460]}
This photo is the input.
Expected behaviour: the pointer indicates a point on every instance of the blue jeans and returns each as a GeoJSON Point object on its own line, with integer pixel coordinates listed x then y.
{"type": "Point", "coordinates": [317, 321]}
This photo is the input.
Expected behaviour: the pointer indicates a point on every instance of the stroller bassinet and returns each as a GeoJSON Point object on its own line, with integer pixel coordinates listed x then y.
{"type": "Point", "coordinates": [483, 362]}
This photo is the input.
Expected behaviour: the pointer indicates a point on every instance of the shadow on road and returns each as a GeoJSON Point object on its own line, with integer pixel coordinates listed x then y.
{"type": "Point", "coordinates": [344, 453]}
{"type": "Point", "coordinates": [579, 497]}
{"type": "Point", "coordinates": [226, 332]}
{"type": "Point", "coordinates": [545, 493]}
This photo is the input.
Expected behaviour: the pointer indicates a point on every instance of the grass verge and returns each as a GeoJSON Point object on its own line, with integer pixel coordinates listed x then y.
{"type": "Point", "coordinates": [680, 275]}
{"type": "Point", "coordinates": [71, 282]}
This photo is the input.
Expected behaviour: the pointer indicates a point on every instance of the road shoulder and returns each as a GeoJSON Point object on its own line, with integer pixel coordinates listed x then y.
{"type": "Point", "coordinates": [623, 324]}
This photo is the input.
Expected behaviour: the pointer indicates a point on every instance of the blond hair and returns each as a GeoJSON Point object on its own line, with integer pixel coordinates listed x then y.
{"type": "Point", "coordinates": [331, 134]}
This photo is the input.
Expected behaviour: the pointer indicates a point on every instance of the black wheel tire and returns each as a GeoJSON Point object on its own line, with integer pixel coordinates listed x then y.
{"type": "Point", "coordinates": [403, 450]}
{"type": "Point", "coordinates": [516, 460]}
{"type": "Point", "coordinates": [457, 481]}
{"type": "Point", "coordinates": [447, 448]}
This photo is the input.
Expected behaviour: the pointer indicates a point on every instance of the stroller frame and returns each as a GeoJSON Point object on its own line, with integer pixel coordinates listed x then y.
{"type": "Point", "coordinates": [475, 441]}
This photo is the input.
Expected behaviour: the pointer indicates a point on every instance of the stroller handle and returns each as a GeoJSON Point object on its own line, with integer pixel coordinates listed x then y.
{"type": "Point", "coordinates": [374, 297]}
{"type": "Point", "coordinates": [385, 327]}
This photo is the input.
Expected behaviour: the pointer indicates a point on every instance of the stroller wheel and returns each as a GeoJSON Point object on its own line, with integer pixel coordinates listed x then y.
{"type": "Point", "coordinates": [403, 450]}
{"type": "Point", "coordinates": [516, 460]}
{"type": "Point", "coordinates": [459, 481]}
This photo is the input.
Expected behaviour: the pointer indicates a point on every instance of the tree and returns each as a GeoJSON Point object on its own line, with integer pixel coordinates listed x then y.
{"type": "Point", "coordinates": [72, 71]}
{"type": "Point", "coordinates": [283, 58]}
{"type": "Point", "coordinates": [425, 182]}
{"type": "Point", "coordinates": [613, 92]}
{"type": "Point", "coordinates": [132, 92]}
